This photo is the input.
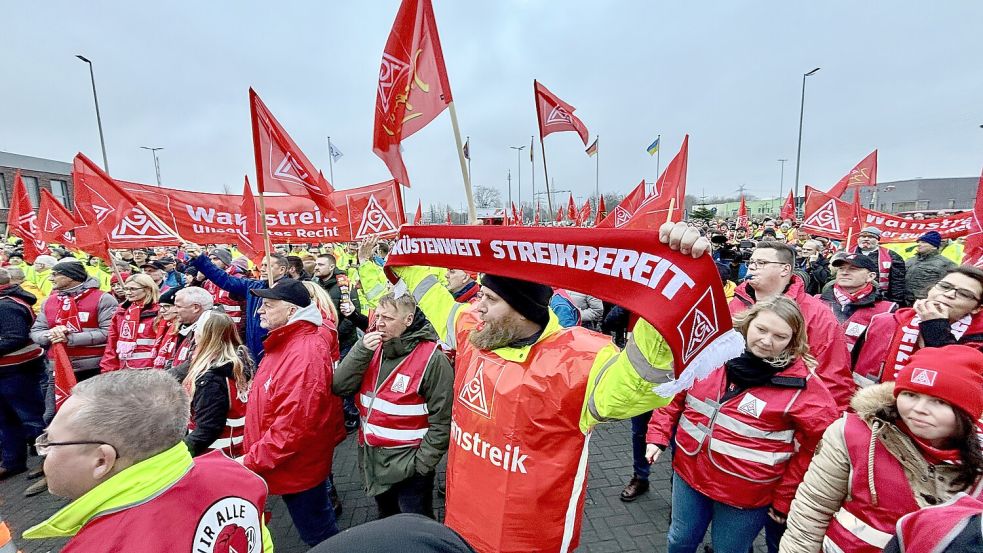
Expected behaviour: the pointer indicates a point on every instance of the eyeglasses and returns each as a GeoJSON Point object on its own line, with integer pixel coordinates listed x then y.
{"type": "Point", "coordinates": [128, 289]}
{"type": "Point", "coordinates": [43, 446]}
{"type": "Point", "coordinates": [755, 263]}
{"type": "Point", "coordinates": [962, 293]}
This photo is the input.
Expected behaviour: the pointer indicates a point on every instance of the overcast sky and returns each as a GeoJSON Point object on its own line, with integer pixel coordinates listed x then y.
{"type": "Point", "coordinates": [903, 76]}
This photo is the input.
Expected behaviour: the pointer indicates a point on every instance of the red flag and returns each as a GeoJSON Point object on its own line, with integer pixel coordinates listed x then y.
{"type": "Point", "coordinates": [559, 214]}
{"type": "Point", "coordinates": [105, 211]}
{"type": "Point", "coordinates": [250, 234]}
{"type": "Point", "coordinates": [23, 221]}
{"type": "Point", "coordinates": [864, 174]}
{"type": "Point", "coordinates": [281, 166]}
{"type": "Point", "coordinates": [516, 215]}
{"type": "Point", "coordinates": [670, 190]}
{"type": "Point", "coordinates": [413, 85]}
{"type": "Point", "coordinates": [788, 208]}
{"type": "Point", "coordinates": [64, 375]}
{"type": "Point", "coordinates": [535, 220]}
{"type": "Point", "coordinates": [826, 215]}
{"type": "Point", "coordinates": [449, 217]}
{"type": "Point", "coordinates": [742, 214]}
{"type": "Point", "coordinates": [584, 216]}
{"type": "Point", "coordinates": [571, 210]}
{"type": "Point", "coordinates": [601, 210]}
{"type": "Point", "coordinates": [625, 209]}
{"type": "Point", "coordinates": [555, 115]}
{"type": "Point", "coordinates": [418, 217]}
{"type": "Point", "coordinates": [973, 248]}
{"type": "Point", "coordinates": [55, 220]}
{"type": "Point", "coordinates": [856, 221]}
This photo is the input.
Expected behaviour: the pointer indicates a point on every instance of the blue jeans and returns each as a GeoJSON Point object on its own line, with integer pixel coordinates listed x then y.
{"type": "Point", "coordinates": [639, 427]}
{"type": "Point", "coordinates": [21, 412]}
{"type": "Point", "coordinates": [733, 529]}
{"type": "Point", "coordinates": [312, 514]}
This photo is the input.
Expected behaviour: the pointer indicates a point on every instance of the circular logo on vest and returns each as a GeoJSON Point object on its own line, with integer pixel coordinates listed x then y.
{"type": "Point", "coordinates": [230, 525]}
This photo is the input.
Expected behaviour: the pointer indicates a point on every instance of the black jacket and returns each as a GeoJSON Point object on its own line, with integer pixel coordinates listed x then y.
{"type": "Point", "coordinates": [346, 325]}
{"type": "Point", "coordinates": [15, 319]}
{"type": "Point", "coordinates": [896, 277]}
{"type": "Point", "coordinates": [210, 406]}
{"type": "Point", "coordinates": [818, 273]}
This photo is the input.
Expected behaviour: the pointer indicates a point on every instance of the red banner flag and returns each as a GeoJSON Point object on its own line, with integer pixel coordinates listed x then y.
{"type": "Point", "coordinates": [64, 375]}
{"type": "Point", "coordinates": [742, 221]}
{"type": "Point", "coordinates": [788, 208]}
{"type": "Point", "coordinates": [449, 222]}
{"type": "Point", "coordinates": [23, 221]}
{"type": "Point", "coordinates": [555, 115]}
{"type": "Point", "coordinates": [601, 211]}
{"type": "Point", "coordinates": [571, 210]}
{"type": "Point", "coordinates": [624, 211]}
{"type": "Point", "coordinates": [535, 220]}
{"type": "Point", "coordinates": [559, 215]}
{"type": "Point", "coordinates": [56, 222]}
{"type": "Point", "coordinates": [413, 85]}
{"type": "Point", "coordinates": [973, 248]}
{"type": "Point", "coordinates": [670, 191]}
{"type": "Point", "coordinates": [281, 166]}
{"type": "Point", "coordinates": [250, 234]}
{"type": "Point", "coordinates": [864, 174]}
{"type": "Point", "coordinates": [584, 216]}
{"type": "Point", "coordinates": [826, 215]}
{"type": "Point", "coordinates": [418, 217]}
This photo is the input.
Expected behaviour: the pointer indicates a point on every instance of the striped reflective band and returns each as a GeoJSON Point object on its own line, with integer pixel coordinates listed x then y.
{"type": "Point", "coordinates": [863, 381]}
{"type": "Point", "coordinates": [642, 366]}
{"type": "Point", "coordinates": [392, 433]}
{"type": "Point", "coordinates": [235, 423]}
{"type": "Point", "coordinates": [748, 454]}
{"type": "Point", "coordinates": [736, 426]}
{"type": "Point", "coordinates": [223, 443]}
{"type": "Point", "coordinates": [451, 340]}
{"type": "Point", "coordinates": [863, 531]}
{"type": "Point", "coordinates": [388, 408]}
{"type": "Point", "coordinates": [423, 287]}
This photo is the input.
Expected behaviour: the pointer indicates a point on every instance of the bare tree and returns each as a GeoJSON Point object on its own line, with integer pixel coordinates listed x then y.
{"type": "Point", "coordinates": [485, 196]}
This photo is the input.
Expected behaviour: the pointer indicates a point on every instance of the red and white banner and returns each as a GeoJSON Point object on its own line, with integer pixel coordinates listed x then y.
{"type": "Point", "coordinates": [680, 296]}
{"type": "Point", "coordinates": [55, 221]}
{"type": "Point", "coordinates": [413, 85]}
{"type": "Point", "coordinates": [250, 236]}
{"type": "Point", "coordinates": [23, 221]}
{"type": "Point", "coordinates": [788, 208]}
{"type": "Point", "coordinates": [863, 174]}
{"type": "Point", "coordinates": [742, 220]}
{"type": "Point", "coordinates": [555, 115]}
{"type": "Point", "coordinates": [825, 215]}
{"type": "Point", "coordinates": [625, 209]}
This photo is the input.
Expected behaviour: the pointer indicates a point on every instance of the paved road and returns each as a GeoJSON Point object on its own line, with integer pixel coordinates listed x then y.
{"type": "Point", "coordinates": [609, 525]}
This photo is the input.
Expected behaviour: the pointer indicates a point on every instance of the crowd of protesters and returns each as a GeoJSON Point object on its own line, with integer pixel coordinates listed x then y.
{"type": "Point", "coordinates": [854, 360]}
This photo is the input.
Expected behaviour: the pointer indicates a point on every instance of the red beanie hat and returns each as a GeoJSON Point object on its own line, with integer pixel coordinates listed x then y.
{"type": "Point", "coordinates": [953, 374]}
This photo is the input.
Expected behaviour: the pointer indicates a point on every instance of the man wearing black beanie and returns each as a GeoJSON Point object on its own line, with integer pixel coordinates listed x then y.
{"type": "Point", "coordinates": [527, 394]}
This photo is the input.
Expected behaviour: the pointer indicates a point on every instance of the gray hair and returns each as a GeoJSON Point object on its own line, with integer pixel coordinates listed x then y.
{"type": "Point", "coordinates": [48, 261]}
{"type": "Point", "coordinates": [141, 413]}
{"type": "Point", "coordinates": [815, 244]}
{"type": "Point", "coordinates": [404, 304]}
{"type": "Point", "coordinates": [6, 274]}
{"type": "Point", "coordinates": [197, 295]}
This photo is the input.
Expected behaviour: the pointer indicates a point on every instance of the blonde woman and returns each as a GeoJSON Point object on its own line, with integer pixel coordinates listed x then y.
{"type": "Point", "coordinates": [133, 332]}
{"type": "Point", "coordinates": [218, 383]}
{"type": "Point", "coordinates": [744, 436]}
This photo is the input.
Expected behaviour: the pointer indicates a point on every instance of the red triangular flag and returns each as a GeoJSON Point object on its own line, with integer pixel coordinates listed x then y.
{"type": "Point", "coordinates": [413, 85]}
{"type": "Point", "coordinates": [826, 215]}
{"type": "Point", "coordinates": [625, 209]}
{"type": "Point", "coordinates": [973, 248]}
{"type": "Point", "coordinates": [670, 191]}
{"type": "Point", "coordinates": [788, 208]}
{"type": "Point", "coordinates": [584, 216]}
{"type": "Point", "coordinates": [23, 221]}
{"type": "Point", "coordinates": [571, 210]}
{"type": "Point", "coordinates": [601, 211]}
{"type": "Point", "coordinates": [64, 375]}
{"type": "Point", "coordinates": [555, 115]}
{"type": "Point", "coordinates": [418, 217]}
{"type": "Point", "coordinates": [449, 217]}
{"type": "Point", "coordinates": [535, 220]}
{"type": "Point", "coordinates": [742, 221]}
{"type": "Point", "coordinates": [55, 221]}
{"type": "Point", "coordinates": [864, 174]}
{"type": "Point", "coordinates": [559, 214]}
{"type": "Point", "coordinates": [250, 236]}
{"type": "Point", "coordinates": [856, 221]}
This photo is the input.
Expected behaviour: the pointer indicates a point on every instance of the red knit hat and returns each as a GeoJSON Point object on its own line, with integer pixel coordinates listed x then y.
{"type": "Point", "coordinates": [953, 374]}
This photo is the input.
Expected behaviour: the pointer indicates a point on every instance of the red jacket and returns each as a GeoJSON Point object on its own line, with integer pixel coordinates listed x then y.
{"type": "Point", "coordinates": [133, 330]}
{"type": "Point", "coordinates": [827, 343]}
{"type": "Point", "coordinates": [294, 422]}
{"type": "Point", "coordinates": [778, 425]}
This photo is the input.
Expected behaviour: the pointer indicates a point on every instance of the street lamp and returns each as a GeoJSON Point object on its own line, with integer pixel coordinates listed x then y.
{"type": "Point", "coordinates": [156, 161]}
{"type": "Point", "coordinates": [102, 139]}
{"type": "Point", "coordinates": [798, 152]}
{"type": "Point", "coordinates": [518, 162]}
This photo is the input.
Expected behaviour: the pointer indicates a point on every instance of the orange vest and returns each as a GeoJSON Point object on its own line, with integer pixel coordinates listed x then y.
{"type": "Point", "coordinates": [393, 412]}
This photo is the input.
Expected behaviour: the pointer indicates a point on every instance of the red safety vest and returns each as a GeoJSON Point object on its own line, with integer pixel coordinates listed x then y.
{"type": "Point", "coordinates": [517, 461]}
{"type": "Point", "coordinates": [136, 337]}
{"type": "Point", "coordinates": [883, 268]}
{"type": "Point", "coordinates": [230, 441]}
{"type": "Point", "coordinates": [859, 320]}
{"type": "Point", "coordinates": [185, 347]}
{"type": "Point", "coordinates": [393, 412]}
{"type": "Point", "coordinates": [933, 529]}
{"type": "Point", "coordinates": [233, 308]}
{"type": "Point", "coordinates": [736, 452]}
{"type": "Point", "coordinates": [164, 347]}
{"type": "Point", "coordinates": [27, 353]}
{"type": "Point", "coordinates": [88, 309]}
{"type": "Point", "coordinates": [216, 507]}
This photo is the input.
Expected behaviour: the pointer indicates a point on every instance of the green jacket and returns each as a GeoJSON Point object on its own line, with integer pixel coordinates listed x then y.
{"type": "Point", "coordinates": [923, 271]}
{"type": "Point", "coordinates": [620, 384]}
{"type": "Point", "coordinates": [132, 486]}
{"type": "Point", "coordinates": [384, 467]}
{"type": "Point", "coordinates": [374, 284]}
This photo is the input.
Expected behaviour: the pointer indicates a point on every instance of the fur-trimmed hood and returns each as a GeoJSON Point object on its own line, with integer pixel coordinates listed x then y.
{"type": "Point", "coordinates": [876, 403]}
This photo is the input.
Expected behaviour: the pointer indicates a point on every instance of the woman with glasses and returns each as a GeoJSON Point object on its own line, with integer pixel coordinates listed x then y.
{"type": "Point", "coordinates": [949, 315]}
{"type": "Point", "coordinates": [133, 332]}
{"type": "Point", "coordinates": [167, 329]}
{"type": "Point", "coordinates": [218, 383]}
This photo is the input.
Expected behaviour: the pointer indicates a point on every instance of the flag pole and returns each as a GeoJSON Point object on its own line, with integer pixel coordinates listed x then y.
{"type": "Point", "coordinates": [330, 163]}
{"type": "Point", "coordinates": [549, 195]}
{"type": "Point", "coordinates": [672, 204]}
{"type": "Point", "coordinates": [266, 237]}
{"type": "Point", "coordinates": [849, 236]}
{"type": "Point", "coordinates": [658, 156]}
{"type": "Point", "coordinates": [472, 215]}
{"type": "Point", "coordinates": [597, 168]}
{"type": "Point", "coordinates": [468, 141]}
{"type": "Point", "coordinates": [532, 166]}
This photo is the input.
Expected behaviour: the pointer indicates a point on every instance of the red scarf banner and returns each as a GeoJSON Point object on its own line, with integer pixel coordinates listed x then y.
{"type": "Point", "coordinates": [68, 313]}
{"type": "Point", "coordinates": [64, 375]}
{"type": "Point", "coordinates": [904, 343]}
{"type": "Point", "coordinates": [680, 296]}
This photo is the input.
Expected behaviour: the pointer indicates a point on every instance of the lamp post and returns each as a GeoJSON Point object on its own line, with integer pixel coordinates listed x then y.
{"type": "Point", "coordinates": [156, 161]}
{"type": "Point", "coordinates": [798, 152]}
{"type": "Point", "coordinates": [781, 181]}
{"type": "Point", "coordinates": [518, 162]}
{"type": "Point", "coordinates": [102, 139]}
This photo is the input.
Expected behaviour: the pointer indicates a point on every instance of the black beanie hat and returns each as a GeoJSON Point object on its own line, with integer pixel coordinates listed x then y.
{"type": "Point", "coordinates": [72, 269]}
{"type": "Point", "coordinates": [530, 299]}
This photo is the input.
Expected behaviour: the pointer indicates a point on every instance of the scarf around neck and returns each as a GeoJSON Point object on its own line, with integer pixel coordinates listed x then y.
{"type": "Point", "coordinates": [905, 341]}
{"type": "Point", "coordinates": [749, 370]}
{"type": "Point", "coordinates": [845, 298]}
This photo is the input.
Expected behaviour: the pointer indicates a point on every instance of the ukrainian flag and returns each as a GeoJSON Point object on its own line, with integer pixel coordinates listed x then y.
{"type": "Point", "coordinates": [654, 147]}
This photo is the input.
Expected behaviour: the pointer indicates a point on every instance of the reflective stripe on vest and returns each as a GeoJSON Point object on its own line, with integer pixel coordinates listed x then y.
{"type": "Point", "coordinates": [861, 530]}
{"type": "Point", "coordinates": [233, 434]}
{"type": "Point", "coordinates": [394, 414]}
{"type": "Point", "coordinates": [883, 269]}
{"type": "Point", "coordinates": [87, 304]}
{"type": "Point", "coordinates": [27, 353]}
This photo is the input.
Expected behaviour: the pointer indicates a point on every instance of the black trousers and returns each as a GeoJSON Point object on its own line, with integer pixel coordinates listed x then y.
{"type": "Point", "coordinates": [413, 495]}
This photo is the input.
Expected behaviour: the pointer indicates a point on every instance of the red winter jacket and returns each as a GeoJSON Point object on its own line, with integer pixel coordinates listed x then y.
{"type": "Point", "coordinates": [827, 342]}
{"type": "Point", "coordinates": [141, 337]}
{"type": "Point", "coordinates": [293, 421]}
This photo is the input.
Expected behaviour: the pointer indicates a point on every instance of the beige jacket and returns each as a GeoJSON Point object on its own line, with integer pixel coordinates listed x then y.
{"type": "Point", "coordinates": [827, 482]}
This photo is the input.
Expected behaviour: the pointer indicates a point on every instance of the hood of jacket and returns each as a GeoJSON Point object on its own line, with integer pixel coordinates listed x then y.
{"type": "Point", "coordinates": [419, 330]}
{"type": "Point", "coordinates": [876, 403]}
{"type": "Point", "coordinates": [15, 291]}
{"type": "Point", "coordinates": [310, 315]}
